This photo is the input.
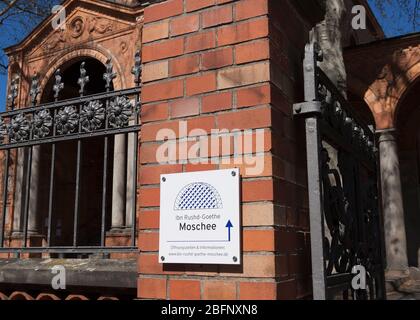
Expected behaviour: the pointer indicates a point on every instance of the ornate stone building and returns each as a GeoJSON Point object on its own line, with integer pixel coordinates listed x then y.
{"type": "Point", "coordinates": [80, 138]}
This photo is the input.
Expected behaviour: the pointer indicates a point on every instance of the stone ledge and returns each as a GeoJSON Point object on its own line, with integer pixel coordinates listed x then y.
{"type": "Point", "coordinates": [106, 273]}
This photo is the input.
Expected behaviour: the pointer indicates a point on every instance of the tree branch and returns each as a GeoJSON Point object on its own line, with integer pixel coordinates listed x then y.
{"type": "Point", "coordinates": [8, 7]}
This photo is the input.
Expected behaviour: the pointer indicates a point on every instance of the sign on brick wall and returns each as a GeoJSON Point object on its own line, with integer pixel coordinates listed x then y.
{"type": "Point", "coordinates": [199, 217]}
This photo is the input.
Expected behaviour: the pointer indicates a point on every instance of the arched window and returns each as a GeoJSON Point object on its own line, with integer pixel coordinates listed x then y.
{"type": "Point", "coordinates": [76, 165]}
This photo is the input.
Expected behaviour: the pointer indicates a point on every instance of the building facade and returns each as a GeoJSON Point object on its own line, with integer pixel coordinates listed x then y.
{"type": "Point", "coordinates": [83, 129]}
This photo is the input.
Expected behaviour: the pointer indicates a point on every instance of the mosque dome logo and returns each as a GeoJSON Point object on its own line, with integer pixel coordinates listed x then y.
{"type": "Point", "coordinates": [198, 196]}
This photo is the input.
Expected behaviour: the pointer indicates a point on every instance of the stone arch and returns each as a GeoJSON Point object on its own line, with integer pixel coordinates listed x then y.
{"type": "Point", "coordinates": [47, 296]}
{"type": "Point", "coordinates": [103, 298]}
{"type": "Point", "coordinates": [95, 52]}
{"type": "Point", "coordinates": [385, 93]}
{"type": "Point", "coordinates": [3, 296]}
{"type": "Point", "coordinates": [18, 295]}
{"type": "Point", "coordinates": [76, 297]}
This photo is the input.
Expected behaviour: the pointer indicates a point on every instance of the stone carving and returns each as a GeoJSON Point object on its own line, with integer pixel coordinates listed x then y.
{"type": "Point", "coordinates": [77, 27]}
{"type": "Point", "coordinates": [123, 47]}
{"type": "Point", "coordinates": [100, 25]}
{"type": "Point", "coordinates": [58, 38]}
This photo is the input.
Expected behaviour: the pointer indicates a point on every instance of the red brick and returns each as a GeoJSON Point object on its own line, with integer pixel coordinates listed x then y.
{"type": "Point", "coordinates": [184, 65]}
{"type": "Point", "coordinates": [217, 59]}
{"type": "Point", "coordinates": [163, 91]}
{"type": "Point", "coordinates": [163, 10]}
{"type": "Point", "coordinates": [217, 16]}
{"type": "Point", "coordinates": [149, 197]}
{"type": "Point", "coordinates": [149, 264]}
{"type": "Point", "coordinates": [201, 84]}
{"type": "Point", "coordinates": [257, 291]}
{"type": "Point", "coordinates": [190, 167]}
{"type": "Point", "coordinates": [201, 41]}
{"type": "Point", "coordinates": [258, 240]}
{"type": "Point", "coordinates": [185, 24]}
{"type": "Point", "coordinates": [148, 153]}
{"type": "Point", "coordinates": [154, 112]}
{"type": "Point", "coordinates": [254, 96]}
{"type": "Point", "coordinates": [257, 190]}
{"type": "Point", "coordinates": [245, 119]}
{"type": "Point", "coordinates": [219, 290]}
{"type": "Point", "coordinates": [156, 31]}
{"type": "Point", "coordinates": [250, 8]}
{"type": "Point", "coordinates": [151, 174]}
{"type": "Point", "coordinates": [205, 123]}
{"type": "Point", "coordinates": [184, 290]}
{"type": "Point", "coordinates": [254, 51]}
{"type": "Point", "coordinates": [185, 107]}
{"type": "Point", "coordinates": [193, 5]}
{"type": "Point", "coordinates": [150, 288]}
{"type": "Point", "coordinates": [149, 219]}
{"type": "Point", "coordinates": [148, 241]}
{"type": "Point", "coordinates": [150, 130]}
{"type": "Point", "coordinates": [162, 50]}
{"type": "Point", "coordinates": [217, 102]}
{"type": "Point", "coordinates": [242, 32]}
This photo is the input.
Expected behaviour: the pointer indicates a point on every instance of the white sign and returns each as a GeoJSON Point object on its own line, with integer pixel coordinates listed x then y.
{"type": "Point", "coordinates": [199, 217]}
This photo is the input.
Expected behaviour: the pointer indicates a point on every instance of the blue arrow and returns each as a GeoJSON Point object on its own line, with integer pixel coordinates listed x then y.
{"type": "Point", "coordinates": [229, 225]}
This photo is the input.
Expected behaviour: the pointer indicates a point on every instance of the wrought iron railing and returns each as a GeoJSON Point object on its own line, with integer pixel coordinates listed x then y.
{"type": "Point", "coordinates": [345, 219]}
{"type": "Point", "coordinates": [104, 115]}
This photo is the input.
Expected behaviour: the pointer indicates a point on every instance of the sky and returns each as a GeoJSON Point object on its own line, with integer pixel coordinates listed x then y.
{"type": "Point", "coordinates": [392, 18]}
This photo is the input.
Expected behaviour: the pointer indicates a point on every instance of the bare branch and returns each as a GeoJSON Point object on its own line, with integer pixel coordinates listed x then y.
{"type": "Point", "coordinates": [9, 6]}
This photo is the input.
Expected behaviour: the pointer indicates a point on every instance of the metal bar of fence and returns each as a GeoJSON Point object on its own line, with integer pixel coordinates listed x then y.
{"type": "Point", "coordinates": [5, 193]}
{"type": "Point", "coordinates": [311, 110]}
{"type": "Point", "coordinates": [77, 192]}
{"type": "Point", "coordinates": [73, 101]}
{"type": "Point", "coordinates": [69, 137]}
{"type": "Point", "coordinates": [316, 216]}
{"type": "Point", "coordinates": [104, 180]}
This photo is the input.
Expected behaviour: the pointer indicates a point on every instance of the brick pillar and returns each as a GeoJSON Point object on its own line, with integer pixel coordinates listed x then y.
{"type": "Point", "coordinates": [207, 63]}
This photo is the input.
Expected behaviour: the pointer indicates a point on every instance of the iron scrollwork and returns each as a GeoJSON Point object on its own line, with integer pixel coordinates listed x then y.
{"type": "Point", "coordinates": [119, 112]}
{"type": "Point", "coordinates": [19, 128]}
{"type": "Point", "coordinates": [85, 116]}
{"type": "Point", "coordinates": [343, 191]}
{"type": "Point", "coordinates": [42, 124]}
{"type": "Point", "coordinates": [3, 130]}
{"type": "Point", "coordinates": [92, 116]}
{"type": "Point", "coordinates": [67, 120]}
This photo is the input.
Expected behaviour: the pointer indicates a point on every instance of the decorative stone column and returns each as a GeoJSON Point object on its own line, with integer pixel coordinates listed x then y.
{"type": "Point", "coordinates": [19, 193]}
{"type": "Point", "coordinates": [130, 172]}
{"type": "Point", "coordinates": [392, 202]}
{"type": "Point", "coordinates": [34, 190]}
{"type": "Point", "coordinates": [118, 183]}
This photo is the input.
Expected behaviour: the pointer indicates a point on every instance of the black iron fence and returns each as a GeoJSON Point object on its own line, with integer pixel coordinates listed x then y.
{"type": "Point", "coordinates": [103, 115]}
{"type": "Point", "coordinates": [345, 216]}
